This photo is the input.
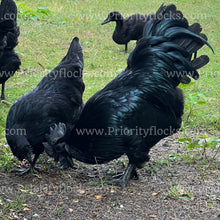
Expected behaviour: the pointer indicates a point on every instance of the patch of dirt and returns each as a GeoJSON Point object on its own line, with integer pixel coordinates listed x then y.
{"type": "Point", "coordinates": [164, 190]}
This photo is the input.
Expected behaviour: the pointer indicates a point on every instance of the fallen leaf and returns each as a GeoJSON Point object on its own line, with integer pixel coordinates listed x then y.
{"type": "Point", "coordinates": [23, 190]}
{"type": "Point", "coordinates": [24, 204]}
{"type": "Point", "coordinates": [61, 203]}
{"type": "Point", "coordinates": [35, 179]}
{"type": "Point", "coordinates": [98, 196]}
{"type": "Point", "coordinates": [94, 215]}
{"type": "Point", "coordinates": [112, 191]}
{"type": "Point", "coordinates": [26, 209]}
{"type": "Point", "coordinates": [75, 201]}
{"type": "Point", "coordinates": [181, 191]}
{"type": "Point", "coordinates": [154, 194]}
{"type": "Point", "coordinates": [81, 191]}
{"type": "Point", "coordinates": [130, 190]}
{"type": "Point", "coordinates": [48, 193]}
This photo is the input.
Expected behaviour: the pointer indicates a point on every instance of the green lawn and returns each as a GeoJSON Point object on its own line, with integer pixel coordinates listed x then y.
{"type": "Point", "coordinates": [44, 41]}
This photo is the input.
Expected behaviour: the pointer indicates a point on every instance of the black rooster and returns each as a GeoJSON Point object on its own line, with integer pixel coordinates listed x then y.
{"type": "Point", "coordinates": [127, 29]}
{"type": "Point", "coordinates": [142, 104]}
{"type": "Point", "coordinates": [9, 32]}
{"type": "Point", "coordinates": [58, 97]}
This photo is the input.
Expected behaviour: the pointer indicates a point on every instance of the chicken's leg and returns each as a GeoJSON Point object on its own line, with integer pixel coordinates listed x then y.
{"type": "Point", "coordinates": [126, 176]}
{"type": "Point", "coordinates": [3, 92]}
{"type": "Point", "coordinates": [126, 48]}
{"type": "Point", "coordinates": [32, 167]}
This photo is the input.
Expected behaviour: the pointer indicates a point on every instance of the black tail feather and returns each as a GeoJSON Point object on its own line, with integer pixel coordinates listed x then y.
{"type": "Point", "coordinates": [200, 61]}
{"type": "Point", "coordinates": [169, 38]}
{"type": "Point", "coordinates": [170, 23]}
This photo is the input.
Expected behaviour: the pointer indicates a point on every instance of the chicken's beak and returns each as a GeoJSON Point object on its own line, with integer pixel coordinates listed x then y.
{"type": "Point", "coordinates": [105, 21]}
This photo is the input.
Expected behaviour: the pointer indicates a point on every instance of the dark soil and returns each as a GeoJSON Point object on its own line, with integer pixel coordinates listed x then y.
{"type": "Point", "coordinates": [166, 189]}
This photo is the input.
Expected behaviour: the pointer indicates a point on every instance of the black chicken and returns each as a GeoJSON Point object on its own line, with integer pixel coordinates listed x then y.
{"type": "Point", "coordinates": [58, 97]}
{"type": "Point", "coordinates": [142, 104]}
{"type": "Point", "coordinates": [9, 32]}
{"type": "Point", "coordinates": [127, 29]}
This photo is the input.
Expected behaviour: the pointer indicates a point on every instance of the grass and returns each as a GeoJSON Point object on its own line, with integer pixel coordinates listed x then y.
{"type": "Point", "coordinates": [178, 192]}
{"type": "Point", "coordinates": [16, 205]}
{"type": "Point", "coordinates": [47, 32]}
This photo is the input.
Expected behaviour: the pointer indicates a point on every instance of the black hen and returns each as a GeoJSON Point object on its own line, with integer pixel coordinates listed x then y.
{"type": "Point", "coordinates": [142, 104]}
{"type": "Point", "coordinates": [9, 32]}
{"type": "Point", "coordinates": [127, 29]}
{"type": "Point", "coordinates": [58, 97]}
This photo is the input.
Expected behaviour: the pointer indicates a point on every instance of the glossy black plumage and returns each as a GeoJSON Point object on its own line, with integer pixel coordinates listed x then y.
{"type": "Point", "coordinates": [58, 97]}
{"type": "Point", "coordinates": [9, 32]}
{"type": "Point", "coordinates": [127, 29]}
{"type": "Point", "coordinates": [142, 104]}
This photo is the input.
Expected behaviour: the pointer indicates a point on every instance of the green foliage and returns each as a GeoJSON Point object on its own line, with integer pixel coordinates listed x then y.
{"type": "Point", "coordinates": [178, 192]}
{"type": "Point", "coordinates": [41, 13]}
{"type": "Point", "coordinates": [57, 211]}
{"type": "Point", "coordinates": [202, 142]}
{"type": "Point", "coordinates": [15, 205]}
{"type": "Point", "coordinates": [35, 215]}
{"type": "Point", "coordinates": [6, 159]}
{"type": "Point", "coordinates": [194, 101]}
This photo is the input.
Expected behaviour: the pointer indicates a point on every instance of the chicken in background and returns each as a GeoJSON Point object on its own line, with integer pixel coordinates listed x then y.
{"type": "Point", "coordinates": [57, 98]}
{"type": "Point", "coordinates": [142, 105]}
{"type": "Point", "coordinates": [9, 32]}
{"type": "Point", "coordinates": [127, 29]}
